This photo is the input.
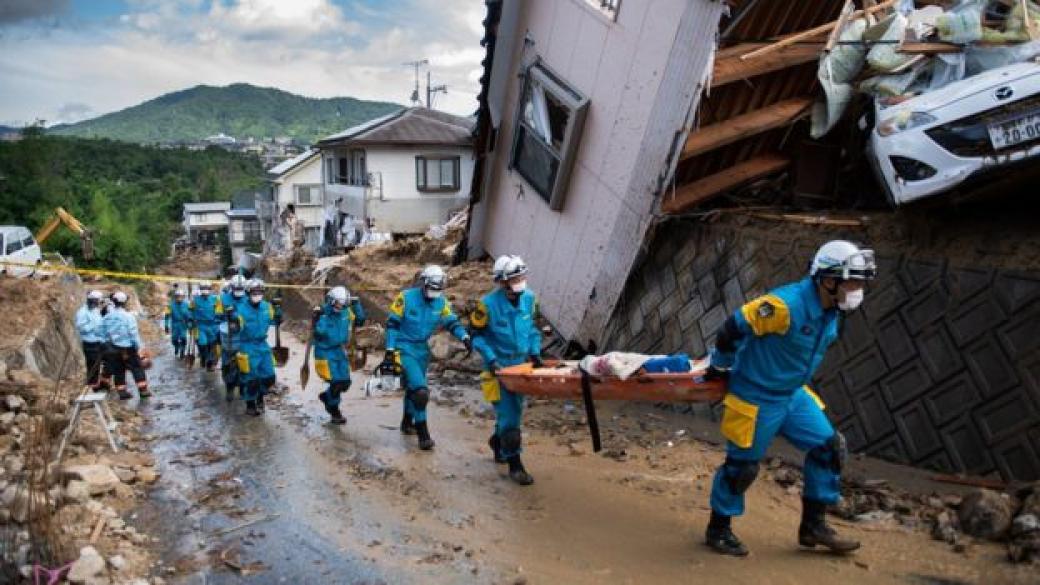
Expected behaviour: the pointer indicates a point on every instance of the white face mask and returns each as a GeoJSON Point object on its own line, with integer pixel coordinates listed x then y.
{"type": "Point", "coordinates": [255, 299]}
{"type": "Point", "coordinates": [238, 293]}
{"type": "Point", "coordinates": [434, 294]}
{"type": "Point", "coordinates": [853, 299]}
{"type": "Point", "coordinates": [518, 287]}
{"type": "Point", "coordinates": [204, 293]}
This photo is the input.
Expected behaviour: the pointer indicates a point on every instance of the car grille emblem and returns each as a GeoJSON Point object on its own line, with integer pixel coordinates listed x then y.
{"type": "Point", "coordinates": [1004, 93]}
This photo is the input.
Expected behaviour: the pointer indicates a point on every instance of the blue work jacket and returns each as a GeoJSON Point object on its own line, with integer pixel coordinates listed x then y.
{"type": "Point", "coordinates": [506, 333]}
{"type": "Point", "coordinates": [414, 319]}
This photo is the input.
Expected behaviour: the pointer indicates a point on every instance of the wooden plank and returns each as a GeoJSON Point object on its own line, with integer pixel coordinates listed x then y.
{"type": "Point", "coordinates": [749, 124]}
{"type": "Point", "coordinates": [729, 67]}
{"type": "Point", "coordinates": [929, 48]}
{"type": "Point", "coordinates": [813, 32]}
{"type": "Point", "coordinates": [702, 190]}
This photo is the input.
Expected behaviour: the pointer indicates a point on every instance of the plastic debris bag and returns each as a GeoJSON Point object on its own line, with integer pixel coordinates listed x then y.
{"type": "Point", "coordinates": [962, 24]}
{"type": "Point", "coordinates": [981, 59]}
{"type": "Point", "coordinates": [885, 56]}
{"type": "Point", "coordinates": [893, 85]}
{"type": "Point", "coordinates": [947, 68]}
{"type": "Point", "coordinates": [836, 70]}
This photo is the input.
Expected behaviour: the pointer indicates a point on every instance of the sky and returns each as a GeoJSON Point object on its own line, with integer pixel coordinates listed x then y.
{"type": "Point", "coordinates": [68, 60]}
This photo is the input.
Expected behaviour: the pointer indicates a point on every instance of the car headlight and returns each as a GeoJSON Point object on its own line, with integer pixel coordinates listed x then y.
{"type": "Point", "coordinates": [904, 121]}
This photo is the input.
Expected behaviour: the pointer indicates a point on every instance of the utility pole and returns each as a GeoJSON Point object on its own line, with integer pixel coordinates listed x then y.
{"type": "Point", "coordinates": [432, 89]}
{"type": "Point", "coordinates": [415, 92]}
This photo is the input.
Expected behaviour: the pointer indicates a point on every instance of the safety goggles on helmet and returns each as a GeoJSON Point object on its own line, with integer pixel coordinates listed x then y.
{"type": "Point", "coordinates": [508, 267]}
{"type": "Point", "coordinates": [857, 266]}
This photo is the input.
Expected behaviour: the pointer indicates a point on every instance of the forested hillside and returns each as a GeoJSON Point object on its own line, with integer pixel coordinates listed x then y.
{"type": "Point", "coordinates": [240, 110]}
{"type": "Point", "coordinates": [130, 195]}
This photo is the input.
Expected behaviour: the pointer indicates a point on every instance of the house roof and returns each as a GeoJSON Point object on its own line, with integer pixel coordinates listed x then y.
{"type": "Point", "coordinates": [291, 164]}
{"type": "Point", "coordinates": [205, 207]}
{"type": "Point", "coordinates": [753, 120]}
{"type": "Point", "coordinates": [407, 126]}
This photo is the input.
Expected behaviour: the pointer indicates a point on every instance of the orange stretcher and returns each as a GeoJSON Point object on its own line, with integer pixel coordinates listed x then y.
{"type": "Point", "coordinates": [563, 380]}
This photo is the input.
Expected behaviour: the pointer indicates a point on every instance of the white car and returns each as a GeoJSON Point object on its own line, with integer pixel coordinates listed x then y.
{"type": "Point", "coordinates": [18, 245]}
{"type": "Point", "coordinates": [936, 141]}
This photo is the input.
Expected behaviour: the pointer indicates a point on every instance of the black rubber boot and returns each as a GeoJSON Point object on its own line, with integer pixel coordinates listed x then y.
{"type": "Point", "coordinates": [124, 395]}
{"type": "Point", "coordinates": [721, 539]}
{"type": "Point", "coordinates": [407, 426]}
{"type": "Point", "coordinates": [251, 408]}
{"type": "Point", "coordinates": [517, 473]}
{"type": "Point", "coordinates": [337, 416]}
{"type": "Point", "coordinates": [230, 395]}
{"type": "Point", "coordinates": [496, 447]}
{"type": "Point", "coordinates": [260, 402]}
{"type": "Point", "coordinates": [814, 530]}
{"type": "Point", "coordinates": [425, 441]}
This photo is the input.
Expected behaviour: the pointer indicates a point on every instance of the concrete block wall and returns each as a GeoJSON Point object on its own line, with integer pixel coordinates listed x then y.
{"type": "Point", "coordinates": [940, 369]}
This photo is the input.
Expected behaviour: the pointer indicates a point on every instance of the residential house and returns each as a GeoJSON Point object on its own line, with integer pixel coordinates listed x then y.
{"type": "Point", "coordinates": [204, 222]}
{"type": "Point", "coordinates": [608, 130]}
{"type": "Point", "coordinates": [402, 172]}
{"type": "Point", "coordinates": [296, 182]}
{"type": "Point", "coordinates": [244, 234]}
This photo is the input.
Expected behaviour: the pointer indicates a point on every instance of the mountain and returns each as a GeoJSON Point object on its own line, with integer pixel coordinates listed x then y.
{"type": "Point", "coordinates": [240, 110]}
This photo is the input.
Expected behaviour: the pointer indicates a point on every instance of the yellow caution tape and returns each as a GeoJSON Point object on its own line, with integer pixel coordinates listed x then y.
{"type": "Point", "coordinates": [164, 277]}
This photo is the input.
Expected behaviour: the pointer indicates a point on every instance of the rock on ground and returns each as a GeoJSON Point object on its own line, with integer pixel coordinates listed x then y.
{"type": "Point", "coordinates": [986, 514]}
{"type": "Point", "coordinates": [100, 479]}
{"type": "Point", "coordinates": [88, 565]}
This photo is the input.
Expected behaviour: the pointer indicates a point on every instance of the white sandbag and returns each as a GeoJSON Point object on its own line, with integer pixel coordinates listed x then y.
{"type": "Point", "coordinates": [837, 68]}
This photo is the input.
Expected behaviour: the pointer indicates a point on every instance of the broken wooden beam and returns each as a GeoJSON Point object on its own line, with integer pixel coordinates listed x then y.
{"type": "Point", "coordinates": [704, 189]}
{"type": "Point", "coordinates": [739, 127]}
{"type": "Point", "coordinates": [729, 67]}
{"type": "Point", "coordinates": [929, 48]}
{"type": "Point", "coordinates": [814, 32]}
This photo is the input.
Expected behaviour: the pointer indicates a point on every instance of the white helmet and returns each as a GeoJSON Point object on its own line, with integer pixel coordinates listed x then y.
{"type": "Point", "coordinates": [255, 285]}
{"type": "Point", "coordinates": [237, 281]}
{"type": "Point", "coordinates": [339, 295]}
{"type": "Point", "coordinates": [119, 297]}
{"type": "Point", "coordinates": [95, 295]}
{"type": "Point", "coordinates": [508, 266]}
{"type": "Point", "coordinates": [433, 278]}
{"type": "Point", "coordinates": [843, 260]}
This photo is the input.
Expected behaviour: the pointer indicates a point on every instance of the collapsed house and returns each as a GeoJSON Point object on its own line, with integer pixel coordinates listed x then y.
{"type": "Point", "coordinates": [609, 131]}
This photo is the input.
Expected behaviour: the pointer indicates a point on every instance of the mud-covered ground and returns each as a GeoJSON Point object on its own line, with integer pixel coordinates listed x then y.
{"type": "Point", "coordinates": [288, 498]}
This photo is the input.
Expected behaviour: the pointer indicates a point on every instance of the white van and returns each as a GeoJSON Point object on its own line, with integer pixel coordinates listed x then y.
{"type": "Point", "coordinates": [17, 244]}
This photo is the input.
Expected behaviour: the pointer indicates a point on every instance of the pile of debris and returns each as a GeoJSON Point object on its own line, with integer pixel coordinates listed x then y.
{"type": "Point", "coordinates": [53, 514]}
{"type": "Point", "coordinates": [1000, 516]}
{"type": "Point", "coordinates": [913, 50]}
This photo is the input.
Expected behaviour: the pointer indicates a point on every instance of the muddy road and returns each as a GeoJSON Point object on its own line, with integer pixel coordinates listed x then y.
{"type": "Point", "coordinates": [288, 498]}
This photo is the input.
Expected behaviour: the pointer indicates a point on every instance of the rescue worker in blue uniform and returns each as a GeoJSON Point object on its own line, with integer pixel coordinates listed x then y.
{"type": "Point", "coordinates": [333, 325]}
{"type": "Point", "coordinates": [231, 299]}
{"type": "Point", "coordinates": [91, 337]}
{"type": "Point", "coordinates": [206, 314]}
{"type": "Point", "coordinates": [768, 351]}
{"type": "Point", "coordinates": [415, 315]}
{"type": "Point", "coordinates": [123, 347]}
{"type": "Point", "coordinates": [505, 333]}
{"type": "Point", "coordinates": [176, 320]}
{"type": "Point", "coordinates": [255, 361]}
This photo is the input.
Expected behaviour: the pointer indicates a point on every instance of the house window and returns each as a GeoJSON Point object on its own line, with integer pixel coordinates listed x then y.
{"type": "Point", "coordinates": [330, 171]}
{"type": "Point", "coordinates": [549, 123]}
{"type": "Point", "coordinates": [437, 173]}
{"type": "Point", "coordinates": [352, 168]}
{"type": "Point", "coordinates": [609, 8]}
{"type": "Point", "coordinates": [308, 194]}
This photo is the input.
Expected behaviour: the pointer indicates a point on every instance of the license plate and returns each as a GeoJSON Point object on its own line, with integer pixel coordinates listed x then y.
{"type": "Point", "coordinates": [1015, 131]}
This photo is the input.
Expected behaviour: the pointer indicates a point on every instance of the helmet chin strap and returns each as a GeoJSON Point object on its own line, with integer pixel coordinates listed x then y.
{"type": "Point", "coordinates": [832, 291]}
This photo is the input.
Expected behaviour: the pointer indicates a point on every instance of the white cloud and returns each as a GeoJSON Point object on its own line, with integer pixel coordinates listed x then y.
{"type": "Point", "coordinates": [309, 47]}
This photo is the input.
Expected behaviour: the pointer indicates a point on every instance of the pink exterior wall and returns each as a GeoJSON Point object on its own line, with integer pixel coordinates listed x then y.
{"type": "Point", "coordinates": [642, 76]}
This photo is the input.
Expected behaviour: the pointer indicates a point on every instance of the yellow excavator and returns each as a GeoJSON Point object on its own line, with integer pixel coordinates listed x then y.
{"type": "Point", "coordinates": [64, 217]}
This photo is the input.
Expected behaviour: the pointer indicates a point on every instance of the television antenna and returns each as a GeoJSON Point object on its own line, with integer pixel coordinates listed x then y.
{"type": "Point", "coordinates": [415, 92]}
{"type": "Point", "coordinates": [432, 89]}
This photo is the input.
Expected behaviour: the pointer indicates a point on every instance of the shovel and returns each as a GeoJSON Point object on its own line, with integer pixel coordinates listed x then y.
{"type": "Point", "coordinates": [305, 369]}
{"type": "Point", "coordinates": [189, 355]}
{"type": "Point", "coordinates": [281, 354]}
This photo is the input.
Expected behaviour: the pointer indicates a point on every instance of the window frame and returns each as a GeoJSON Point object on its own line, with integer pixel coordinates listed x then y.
{"type": "Point", "coordinates": [423, 161]}
{"type": "Point", "coordinates": [538, 76]}
{"type": "Point", "coordinates": [310, 188]}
